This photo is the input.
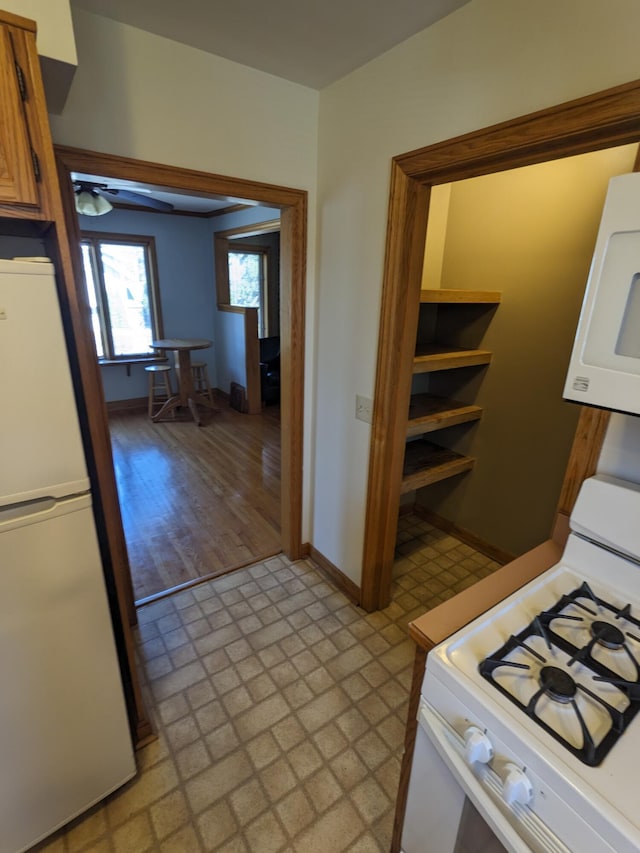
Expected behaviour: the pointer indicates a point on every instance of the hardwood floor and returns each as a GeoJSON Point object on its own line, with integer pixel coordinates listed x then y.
{"type": "Point", "coordinates": [196, 501]}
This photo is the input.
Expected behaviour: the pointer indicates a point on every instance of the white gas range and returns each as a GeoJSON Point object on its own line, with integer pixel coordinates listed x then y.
{"type": "Point", "coordinates": [528, 735]}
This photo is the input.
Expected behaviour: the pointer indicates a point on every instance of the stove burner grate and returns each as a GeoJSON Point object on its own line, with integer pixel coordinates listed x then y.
{"type": "Point", "coordinates": [559, 686]}
{"type": "Point", "coordinates": [603, 634]}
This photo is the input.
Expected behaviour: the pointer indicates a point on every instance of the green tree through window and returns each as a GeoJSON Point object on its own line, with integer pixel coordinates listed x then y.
{"type": "Point", "coordinates": [247, 281]}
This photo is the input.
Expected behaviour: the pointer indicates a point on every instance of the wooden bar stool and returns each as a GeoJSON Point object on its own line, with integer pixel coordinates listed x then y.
{"type": "Point", "coordinates": [159, 387]}
{"type": "Point", "coordinates": [201, 380]}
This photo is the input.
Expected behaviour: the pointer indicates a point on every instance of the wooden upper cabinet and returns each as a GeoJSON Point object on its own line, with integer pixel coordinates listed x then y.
{"type": "Point", "coordinates": [18, 175]}
{"type": "Point", "coordinates": [28, 177]}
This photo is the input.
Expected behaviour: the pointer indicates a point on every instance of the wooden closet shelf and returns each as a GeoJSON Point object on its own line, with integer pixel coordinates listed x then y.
{"type": "Point", "coordinates": [428, 413]}
{"type": "Point", "coordinates": [446, 295]}
{"type": "Point", "coordinates": [429, 358]}
{"type": "Point", "coordinates": [426, 463]}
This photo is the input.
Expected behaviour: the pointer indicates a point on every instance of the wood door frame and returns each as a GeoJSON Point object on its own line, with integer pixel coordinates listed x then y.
{"type": "Point", "coordinates": [602, 120]}
{"type": "Point", "coordinates": [222, 240]}
{"type": "Point", "coordinates": [293, 230]}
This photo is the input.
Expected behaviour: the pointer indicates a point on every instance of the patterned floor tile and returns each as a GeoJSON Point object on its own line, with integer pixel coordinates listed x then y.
{"type": "Point", "coordinates": [280, 709]}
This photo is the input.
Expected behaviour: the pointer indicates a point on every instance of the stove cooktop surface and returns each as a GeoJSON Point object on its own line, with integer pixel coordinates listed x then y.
{"type": "Point", "coordinates": [574, 670]}
{"type": "Point", "coordinates": [570, 710]}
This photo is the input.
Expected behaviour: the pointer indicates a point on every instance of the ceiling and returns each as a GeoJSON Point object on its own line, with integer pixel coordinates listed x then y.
{"type": "Point", "coordinates": [311, 43]}
{"type": "Point", "coordinates": [181, 201]}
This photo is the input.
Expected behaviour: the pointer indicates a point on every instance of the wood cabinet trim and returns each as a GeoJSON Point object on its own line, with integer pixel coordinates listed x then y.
{"type": "Point", "coordinates": [432, 358]}
{"type": "Point", "coordinates": [179, 178]}
{"type": "Point", "coordinates": [428, 413]}
{"type": "Point", "coordinates": [426, 463]}
{"type": "Point", "coordinates": [583, 458]}
{"type": "Point", "coordinates": [601, 120]}
{"type": "Point", "coordinates": [449, 296]}
{"type": "Point", "coordinates": [13, 20]}
{"type": "Point", "coordinates": [252, 361]}
{"type": "Point", "coordinates": [17, 178]}
{"type": "Point", "coordinates": [406, 234]}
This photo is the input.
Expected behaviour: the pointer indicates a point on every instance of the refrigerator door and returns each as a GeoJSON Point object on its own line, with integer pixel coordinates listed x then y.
{"type": "Point", "coordinates": [40, 445]}
{"type": "Point", "coordinates": [64, 735]}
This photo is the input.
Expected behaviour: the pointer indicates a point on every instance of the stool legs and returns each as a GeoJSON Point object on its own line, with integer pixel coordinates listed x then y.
{"type": "Point", "coordinates": [159, 387]}
{"type": "Point", "coordinates": [201, 384]}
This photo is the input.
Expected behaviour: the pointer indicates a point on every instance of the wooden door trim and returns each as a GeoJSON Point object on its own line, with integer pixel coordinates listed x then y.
{"type": "Point", "coordinates": [602, 120]}
{"type": "Point", "coordinates": [252, 361]}
{"type": "Point", "coordinates": [293, 206]}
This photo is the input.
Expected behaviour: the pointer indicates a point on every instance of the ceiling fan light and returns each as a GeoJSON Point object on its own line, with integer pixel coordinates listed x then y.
{"type": "Point", "coordinates": [92, 204]}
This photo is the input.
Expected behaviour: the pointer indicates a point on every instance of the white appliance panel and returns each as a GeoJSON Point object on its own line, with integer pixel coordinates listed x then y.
{"type": "Point", "coordinates": [433, 810]}
{"type": "Point", "coordinates": [64, 735]}
{"type": "Point", "coordinates": [580, 799]}
{"type": "Point", "coordinates": [41, 451]}
{"type": "Point", "coordinates": [604, 369]}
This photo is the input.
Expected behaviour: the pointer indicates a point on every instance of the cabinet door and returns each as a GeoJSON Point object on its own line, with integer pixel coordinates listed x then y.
{"type": "Point", "coordinates": [17, 176]}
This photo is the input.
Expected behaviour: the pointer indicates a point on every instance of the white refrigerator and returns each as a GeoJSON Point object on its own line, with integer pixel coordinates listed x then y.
{"type": "Point", "coordinates": [64, 736]}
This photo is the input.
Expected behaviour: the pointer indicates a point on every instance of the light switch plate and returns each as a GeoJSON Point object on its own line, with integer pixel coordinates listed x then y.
{"type": "Point", "coordinates": [364, 408]}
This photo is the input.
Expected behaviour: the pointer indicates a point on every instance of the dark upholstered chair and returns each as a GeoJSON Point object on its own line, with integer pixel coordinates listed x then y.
{"type": "Point", "coordinates": [270, 370]}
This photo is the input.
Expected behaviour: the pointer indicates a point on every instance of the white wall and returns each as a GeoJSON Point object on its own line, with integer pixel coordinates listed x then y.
{"type": "Point", "coordinates": [55, 28]}
{"type": "Point", "coordinates": [55, 42]}
{"type": "Point", "coordinates": [490, 61]}
{"type": "Point", "coordinates": [232, 363]}
{"type": "Point", "coordinates": [620, 455]}
{"type": "Point", "coordinates": [139, 95]}
{"type": "Point", "coordinates": [142, 96]}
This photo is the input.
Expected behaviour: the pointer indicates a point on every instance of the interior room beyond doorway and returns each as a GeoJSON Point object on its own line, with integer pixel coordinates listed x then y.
{"type": "Point", "coordinates": [527, 233]}
{"type": "Point", "coordinates": [196, 503]}
{"type": "Point", "coordinates": [291, 206]}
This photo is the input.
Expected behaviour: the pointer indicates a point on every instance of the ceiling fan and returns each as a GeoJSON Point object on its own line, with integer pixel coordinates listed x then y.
{"type": "Point", "coordinates": [92, 199]}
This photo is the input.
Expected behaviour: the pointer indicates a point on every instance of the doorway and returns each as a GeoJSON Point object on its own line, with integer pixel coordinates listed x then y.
{"type": "Point", "coordinates": [604, 120]}
{"type": "Point", "coordinates": [292, 206]}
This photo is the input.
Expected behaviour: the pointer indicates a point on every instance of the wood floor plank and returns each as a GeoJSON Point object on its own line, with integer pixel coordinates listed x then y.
{"type": "Point", "coordinates": [196, 501]}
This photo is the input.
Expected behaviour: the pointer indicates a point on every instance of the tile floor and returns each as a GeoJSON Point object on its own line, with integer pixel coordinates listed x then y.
{"type": "Point", "coordinates": [280, 710]}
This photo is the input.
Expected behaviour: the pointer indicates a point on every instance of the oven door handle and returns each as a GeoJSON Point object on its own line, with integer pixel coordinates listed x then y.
{"type": "Point", "coordinates": [451, 749]}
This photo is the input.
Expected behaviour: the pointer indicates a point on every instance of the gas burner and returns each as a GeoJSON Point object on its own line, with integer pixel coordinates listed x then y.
{"type": "Point", "coordinates": [577, 700]}
{"type": "Point", "coordinates": [594, 632]}
{"type": "Point", "coordinates": [557, 684]}
{"type": "Point", "coordinates": [607, 635]}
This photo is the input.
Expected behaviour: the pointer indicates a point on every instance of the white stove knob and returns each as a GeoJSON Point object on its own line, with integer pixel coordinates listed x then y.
{"type": "Point", "coordinates": [477, 746]}
{"type": "Point", "coordinates": [516, 787]}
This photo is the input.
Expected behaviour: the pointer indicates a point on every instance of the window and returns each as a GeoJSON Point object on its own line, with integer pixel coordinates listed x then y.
{"type": "Point", "coordinates": [248, 281]}
{"type": "Point", "coordinates": [123, 297]}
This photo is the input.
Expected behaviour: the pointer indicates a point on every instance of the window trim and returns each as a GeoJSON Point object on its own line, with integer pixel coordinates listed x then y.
{"type": "Point", "coordinates": [265, 262]}
{"type": "Point", "coordinates": [94, 238]}
{"type": "Point", "coordinates": [222, 242]}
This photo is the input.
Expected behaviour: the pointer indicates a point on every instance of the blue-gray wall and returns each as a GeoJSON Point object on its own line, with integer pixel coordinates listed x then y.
{"type": "Point", "coordinates": [186, 278]}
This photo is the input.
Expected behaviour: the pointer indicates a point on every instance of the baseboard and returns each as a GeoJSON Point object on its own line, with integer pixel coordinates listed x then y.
{"type": "Point", "coordinates": [139, 404]}
{"type": "Point", "coordinates": [135, 404]}
{"type": "Point", "coordinates": [465, 536]}
{"type": "Point", "coordinates": [337, 577]}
